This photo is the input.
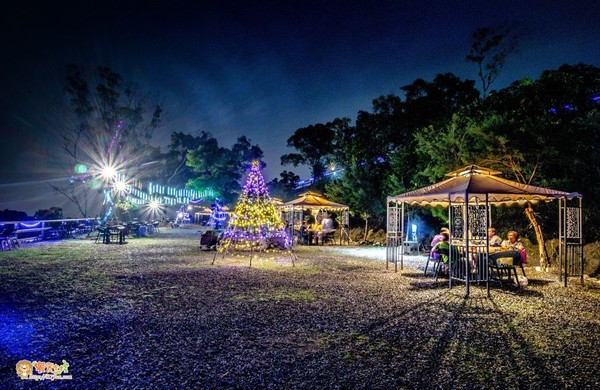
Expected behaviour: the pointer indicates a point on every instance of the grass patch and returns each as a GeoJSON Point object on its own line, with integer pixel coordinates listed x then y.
{"type": "Point", "coordinates": [279, 295]}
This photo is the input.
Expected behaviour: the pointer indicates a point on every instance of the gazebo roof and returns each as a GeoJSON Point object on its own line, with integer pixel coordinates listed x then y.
{"type": "Point", "coordinates": [313, 201]}
{"type": "Point", "coordinates": [476, 183]}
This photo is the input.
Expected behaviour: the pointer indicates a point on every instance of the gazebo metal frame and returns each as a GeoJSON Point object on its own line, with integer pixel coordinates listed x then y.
{"type": "Point", "coordinates": [469, 194]}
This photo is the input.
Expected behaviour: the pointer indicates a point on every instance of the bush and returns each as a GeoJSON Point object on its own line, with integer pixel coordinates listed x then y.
{"type": "Point", "coordinates": [378, 237]}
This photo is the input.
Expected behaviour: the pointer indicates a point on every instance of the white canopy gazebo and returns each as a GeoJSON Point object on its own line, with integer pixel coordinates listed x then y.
{"type": "Point", "coordinates": [468, 194]}
{"type": "Point", "coordinates": [292, 212]}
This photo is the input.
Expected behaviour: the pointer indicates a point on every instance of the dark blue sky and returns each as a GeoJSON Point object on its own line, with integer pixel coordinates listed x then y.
{"type": "Point", "coordinates": [261, 69]}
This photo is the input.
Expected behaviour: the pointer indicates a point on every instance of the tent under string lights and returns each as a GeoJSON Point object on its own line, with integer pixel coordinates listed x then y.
{"type": "Point", "coordinates": [292, 212]}
{"type": "Point", "coordinates": [468, 194]}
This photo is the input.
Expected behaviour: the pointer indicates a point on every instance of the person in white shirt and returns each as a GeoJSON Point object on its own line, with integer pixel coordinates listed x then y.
{"type": "Point", "coordinates": [495, 239]}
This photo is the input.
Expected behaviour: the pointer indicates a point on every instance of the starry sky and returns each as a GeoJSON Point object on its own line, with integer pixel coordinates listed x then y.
{"type": "Point", "coordinates": [257, 68]}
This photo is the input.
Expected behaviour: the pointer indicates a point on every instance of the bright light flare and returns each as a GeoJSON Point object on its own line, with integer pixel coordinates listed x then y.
{"type": "Point", "coordinates": [153, 205]}
{"type": "Point", "coordinates": [108, 172]}
{"type": "Point", "coordinates": [121, 186]}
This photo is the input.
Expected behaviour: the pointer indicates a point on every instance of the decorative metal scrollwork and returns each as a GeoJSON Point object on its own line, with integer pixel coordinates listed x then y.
{"type": "Point", "coordinates": [456, 221]}
{"type": "Point", "coordinates": [392, 219]}
{"type": "Point", "coordinates": [572, 219]}
{"type": "Point", "coordinates": [477, 222]}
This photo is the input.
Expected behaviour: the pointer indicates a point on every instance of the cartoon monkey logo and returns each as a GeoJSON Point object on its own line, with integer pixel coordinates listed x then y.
{"type": "Point", "coordinates": [24, 369]}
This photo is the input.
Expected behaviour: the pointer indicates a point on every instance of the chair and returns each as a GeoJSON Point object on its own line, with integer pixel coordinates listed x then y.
{"type": "Point", "coordinates": [502, 269]}
{"type": "Point", "coordinates": [441, 252]}
{"type": "Point", "coordinates": [8, 240]}
{"type": "Point", "coordinates": [101, 232]}
{"type": "Point", "coordinates": [328, 237]}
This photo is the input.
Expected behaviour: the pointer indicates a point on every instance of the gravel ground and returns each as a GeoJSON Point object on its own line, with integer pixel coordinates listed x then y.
{"type": "Point", "coordinates": [155, 313]}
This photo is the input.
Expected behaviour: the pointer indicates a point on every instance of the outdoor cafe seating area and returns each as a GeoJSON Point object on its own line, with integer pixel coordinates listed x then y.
{"type": "Point", "coordinates": [15, 233]}
{"type": "Point", "coordinates": [311, 219]}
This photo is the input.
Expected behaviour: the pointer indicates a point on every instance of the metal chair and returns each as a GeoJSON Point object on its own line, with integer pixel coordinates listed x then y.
{"type": "Point", "coordinates": [101, 232]}
{"type": "Point", "coordinates": [443, 254]}
{"type": "Point", "coordinates": [438, 262]}
{"type": "Point", "coordinates": [502, 269]}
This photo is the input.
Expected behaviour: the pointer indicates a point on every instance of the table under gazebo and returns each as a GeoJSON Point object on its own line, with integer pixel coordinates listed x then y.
{"type": "Point", "coordinates": [469, 194]}
{"type": "Point", "coordinates": [292, 213]}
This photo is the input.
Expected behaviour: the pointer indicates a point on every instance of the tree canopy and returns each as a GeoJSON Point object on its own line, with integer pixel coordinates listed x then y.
{"type": "Point", "coordinates": [218, 167]}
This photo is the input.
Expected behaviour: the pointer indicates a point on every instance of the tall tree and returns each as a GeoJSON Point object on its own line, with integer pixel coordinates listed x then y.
{"type": "Point", "coordinates": [107, 124]}
{"type": "Point", "coordinates": [285, 187]}
{"type": "Point", "coordinates": [179, 173]}
{"type": "Point", "coordinates": [542, 132]}
{"type": "Point", "coordinates": [489, 50]}
{"type": "Point", "coordinates": [221, 168]}
{"type": "Point", "coordinates": [314, 144]}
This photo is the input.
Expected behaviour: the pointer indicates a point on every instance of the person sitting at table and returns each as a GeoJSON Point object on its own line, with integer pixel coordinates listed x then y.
{"type": "Point", "coordinates": [327, 225]}
{"type": "Point", "coordinates": [514, 247]}
{"type": "Point", "coordinates": [303, 234]}
{"type": "Point", "coordinates": [315, 229]}
{"type": "Point", "coordinates": [494, 239]}
{"type": "Point", "coordinates": [327, 229]}
{"type": "Point", "coordinates": [436, 239]}
{"type": "Point", "coordinates": [443, 246]}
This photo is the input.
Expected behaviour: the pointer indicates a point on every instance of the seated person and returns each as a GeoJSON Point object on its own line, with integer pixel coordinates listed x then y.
{"type": "Point", "coordinates": [494, 239]}
{"type": "Point", "coordinates": [436, 239]}
{"type": "Point", "coordinates": [327, 225]}
{"type": "Point", "coordinates": [443, 245]}
{"type": "Point", "coordinates": [316, 232]}
{"type": "Point", "coordinates": [303, 234]}
{"type": "Point", "coordinates": [513, 242]}
{"type": "Point", "coordinates": [513, 248]}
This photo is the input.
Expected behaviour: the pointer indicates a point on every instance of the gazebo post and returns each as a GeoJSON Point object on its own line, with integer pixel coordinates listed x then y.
{"type": "Point", "coordinates": [488, 216]}
{"type": "Point", "coordinates": [466, 233]}
{"type": "Point", "coordinates": [581, 238]}
{"type": "Point", "coordinates": [450, 227]}
{"type": "Point", "coordinates": [561, 232]}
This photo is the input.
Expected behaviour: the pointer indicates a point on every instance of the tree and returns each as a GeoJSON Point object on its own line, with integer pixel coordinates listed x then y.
{"type": "Point", "coordinates": [179, 172]}
{"type": "Point", "coordinates": [361, 190]}
{"type": "Point", "coordinates": [106, 126]}
{"type": "Point", "coordinates": [428, 105]}
{"type": "Point", "coordinates": [220, 168]}
{"type": "Point", "coordinates": [551, 127]}
{"type": "Point", "coordinates": [52, 213]}
{"type": "Point", "coordinates": [314, 144]}
{"type": "Point", "coordinates": [284, 188]}
{"type": "Point", "coordinates": [489, 50]}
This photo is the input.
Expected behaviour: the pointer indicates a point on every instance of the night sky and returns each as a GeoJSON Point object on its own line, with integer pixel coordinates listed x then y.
{"type": "Point", "coordinates": [261, 69]}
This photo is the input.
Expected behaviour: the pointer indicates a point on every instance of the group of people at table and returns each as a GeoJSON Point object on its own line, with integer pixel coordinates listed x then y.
{"type": "Point", "coordinates": [499, 249]}
{"type": "Point", "coordinates": [315, 233]}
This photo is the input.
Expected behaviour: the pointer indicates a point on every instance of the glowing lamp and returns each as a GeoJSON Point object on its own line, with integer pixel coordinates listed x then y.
{"type": "Point", "coordinates": [120, 186]}
{"type": "Point", "coordinates": [108, 172]}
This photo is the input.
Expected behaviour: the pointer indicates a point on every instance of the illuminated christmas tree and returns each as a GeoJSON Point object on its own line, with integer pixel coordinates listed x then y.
{"type": "Point", "coordinates": [217, 215]}
{"type": "Point", "coordinates": [254, 223]}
